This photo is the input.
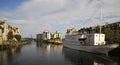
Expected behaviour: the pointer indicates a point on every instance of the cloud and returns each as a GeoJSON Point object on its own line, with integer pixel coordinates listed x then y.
{"type": "Point", "coordinates": [34, 16]}
{"type": "Point", "coordinates": [41, 7]}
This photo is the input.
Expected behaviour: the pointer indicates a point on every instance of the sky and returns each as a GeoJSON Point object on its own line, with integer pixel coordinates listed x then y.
{"type": "Point", "coordinates": [35, 16]}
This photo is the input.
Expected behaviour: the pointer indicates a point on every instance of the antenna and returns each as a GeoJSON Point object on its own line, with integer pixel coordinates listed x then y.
{"type": "Point", "coordinates": [100, 17]}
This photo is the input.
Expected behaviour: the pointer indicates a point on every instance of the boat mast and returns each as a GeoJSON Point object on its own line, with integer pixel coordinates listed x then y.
{"type": "Point", "coordinates": [100, 17]}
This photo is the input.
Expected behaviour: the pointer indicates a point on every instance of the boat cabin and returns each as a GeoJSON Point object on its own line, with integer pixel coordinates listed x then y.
{"type": "Point", "coordinates": [95, 39]}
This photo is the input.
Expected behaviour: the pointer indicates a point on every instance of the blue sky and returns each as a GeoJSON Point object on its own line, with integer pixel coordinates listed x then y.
{"type": "Point", "coordinates": [35, 16]}
{"type": "Point", "coordinates": [10, 4]}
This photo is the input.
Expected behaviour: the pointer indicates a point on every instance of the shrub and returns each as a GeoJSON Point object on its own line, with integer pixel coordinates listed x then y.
{"type": "Point", "coordinates": [18, 37]}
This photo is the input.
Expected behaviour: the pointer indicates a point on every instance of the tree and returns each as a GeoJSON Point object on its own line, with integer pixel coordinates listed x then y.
{"type": "Point", "coordinates": [18, 37]}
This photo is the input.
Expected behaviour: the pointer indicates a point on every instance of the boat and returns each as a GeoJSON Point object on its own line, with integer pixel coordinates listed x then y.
{"type": "Point", "coordinates": [57, 42]}
{"type": "Point", "coordinates": [88, 42]}
{"type": "Point", "coordinates": [93, 42]}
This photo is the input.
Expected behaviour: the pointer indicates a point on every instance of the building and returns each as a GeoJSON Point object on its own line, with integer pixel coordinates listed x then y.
{"type": "Point", "coordinates": [7, 30]}
{"type": "Point", "coordinates": [16, 31]}
{"type": "Point", "coordinates": [46, 35]}
{"type": "Point", "coordinates": [4, 27]}
{"type": "Point", "coordinates": [1, 37]}
{"type": "Point", "coordinates": [57, 35]}
{"type": "Point", "coordinates": [40, 37]}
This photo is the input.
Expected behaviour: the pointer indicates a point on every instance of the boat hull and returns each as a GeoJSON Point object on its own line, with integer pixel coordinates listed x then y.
{"type": "Point", "coordinates": [102, 49]}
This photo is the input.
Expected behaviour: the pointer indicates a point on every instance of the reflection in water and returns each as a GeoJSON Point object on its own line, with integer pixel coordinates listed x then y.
{"type": "Point", "coordinates": [50, 54]}
{"type": "Point", "coordinates": [50, 48]}
{"type": "Point", "coordinates": [76, 57]}
{"type": "Point", "coordinates": [5, 55]}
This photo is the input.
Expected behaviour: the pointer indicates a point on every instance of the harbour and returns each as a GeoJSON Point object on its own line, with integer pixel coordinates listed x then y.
{"type": "Point", "coordinates": [51, 54]}
{"type": "Point", "coordinates": [79, 47]}
{"type": "Point", "coordinates": [59, 32]}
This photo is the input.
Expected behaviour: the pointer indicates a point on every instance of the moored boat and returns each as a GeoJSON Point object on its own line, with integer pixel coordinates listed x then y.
{"type": "Point", "coordinates": [94, 42]}
{"type": "Point", "coordinates": [89, 42]}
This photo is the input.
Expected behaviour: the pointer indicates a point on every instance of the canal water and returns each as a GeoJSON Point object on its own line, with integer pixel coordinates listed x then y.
{"type": "Point", "coordinates": [51, 54]}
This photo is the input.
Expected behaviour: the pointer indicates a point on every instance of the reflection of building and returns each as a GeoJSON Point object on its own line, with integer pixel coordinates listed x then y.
{"type": "Point", "coordinates": [57, 49]}
{"type": "Point", "coordinates": [50, 48]}
{"type": "Point", "coordinates": [7, 54]}
{"type": "Point", "coordinates": [76, 57]}
{"type": "Point", "coordinates": [3, 57]}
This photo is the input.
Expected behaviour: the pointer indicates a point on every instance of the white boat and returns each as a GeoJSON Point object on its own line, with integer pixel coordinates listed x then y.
{"type": "Point", "coordinates": [94, 42]}
{"type": "Point", "coordinates": [90, 42]}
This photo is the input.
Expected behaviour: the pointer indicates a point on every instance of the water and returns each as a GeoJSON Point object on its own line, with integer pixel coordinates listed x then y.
{"type": "Point", "coordinates": [50, 54]}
